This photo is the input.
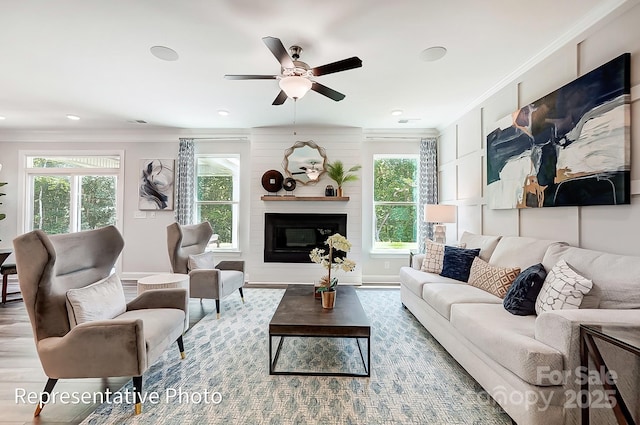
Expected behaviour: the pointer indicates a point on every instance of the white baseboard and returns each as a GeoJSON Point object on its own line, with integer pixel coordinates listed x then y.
{"type": "Point", "coordinates": [381, 279]}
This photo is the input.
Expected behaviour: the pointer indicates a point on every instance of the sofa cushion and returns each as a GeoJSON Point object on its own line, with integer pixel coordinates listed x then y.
{"type": "Point", "coordinates": [204, 260]}
{"type": "Point", "coordinates": [518, 251]}
{"type": "Point", "coordinates": [563, 289]}
{"type": "Point", "coordinates": [99, 301]}
{"type": "Point", "coordinates": [441, 296]}
{"type": "Point", "coordinates": [414, 279]}
{"type": "Point", "coordinates": [161, 327]}
{"type": "Point", "coordinates": [493, 279]}
{"type": "Point", "coordinates": [616, 278]}
{"type": "Point", "coordinates": [486, 243]}
{"type": "Point", "coordinates": [521, 297]}
{"type": "Point", "coordinates": [457, 262]}
{"type": "Point", "coordinates": [509, 340]}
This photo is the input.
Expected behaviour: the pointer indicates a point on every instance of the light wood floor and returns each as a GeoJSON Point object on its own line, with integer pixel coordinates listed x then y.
{"type": "Point", "coordinates": [20, 368]}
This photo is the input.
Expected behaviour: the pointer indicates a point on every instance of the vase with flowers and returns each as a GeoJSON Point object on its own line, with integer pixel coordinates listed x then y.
{"type": "Point", "coordinates": [334, 259]}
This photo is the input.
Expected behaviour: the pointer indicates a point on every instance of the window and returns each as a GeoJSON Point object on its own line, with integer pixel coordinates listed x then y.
{"type": "Point", "coordinates": [70, 193]}
{"type": "Point", "coordinates": [217, 197]}
{"type": "Point", "coordinates": [395, 202]}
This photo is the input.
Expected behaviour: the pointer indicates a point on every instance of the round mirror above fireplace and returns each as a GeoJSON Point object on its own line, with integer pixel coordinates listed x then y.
{"type": "Point", "coordinates": [305, 162]}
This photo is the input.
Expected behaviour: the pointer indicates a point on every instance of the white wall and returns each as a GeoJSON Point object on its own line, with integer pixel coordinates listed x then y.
{"type": "Point", "coordinates": [267, 152]}
{"type": "Point", "coordinates": [260, 150]}
{"type": "Point", "coordinates": [462, 145]}
{"type": "Point", "coordinates": [145, 250]}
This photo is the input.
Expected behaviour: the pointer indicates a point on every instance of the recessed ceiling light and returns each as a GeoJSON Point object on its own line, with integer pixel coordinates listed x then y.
{"type": "Point", "coordinates": [73, 117]}
{"type": "Point", "coordinates": [2, 118]}
{"type": "Point", "coordinates": [397, 112]}
{"type": "Point", "coordinates": [164, 53]}
{"type": "Point", "coordinates": [433, 54]}
{"type": "Point", "coordinates": [223, 112]}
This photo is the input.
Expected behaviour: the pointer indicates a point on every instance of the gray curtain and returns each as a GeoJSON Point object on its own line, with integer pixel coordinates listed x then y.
{"type": "Point", "coordinates": [427, 186]}
{"type": "Point", "coordinates": [185, 182]}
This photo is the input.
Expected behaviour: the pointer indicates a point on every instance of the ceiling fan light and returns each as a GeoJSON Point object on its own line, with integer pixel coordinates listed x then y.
{"type": "Point", "coordinates": [295, 87]}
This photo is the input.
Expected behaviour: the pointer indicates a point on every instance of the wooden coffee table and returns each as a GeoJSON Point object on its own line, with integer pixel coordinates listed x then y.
{"type": "Point", "coordinates": [299, 314]}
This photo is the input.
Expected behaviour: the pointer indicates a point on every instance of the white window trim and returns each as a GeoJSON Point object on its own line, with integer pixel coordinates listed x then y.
{"type": "Point", "coordinates": [235, 203]}
{"type": "Point", "coordinates": [25, 174]}
{"type": "Point", "coordinates": [379, 252]}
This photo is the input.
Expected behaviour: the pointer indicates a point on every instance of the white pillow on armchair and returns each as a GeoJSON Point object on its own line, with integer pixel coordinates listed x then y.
{"type": "Point", "coordinates": [201, 261]}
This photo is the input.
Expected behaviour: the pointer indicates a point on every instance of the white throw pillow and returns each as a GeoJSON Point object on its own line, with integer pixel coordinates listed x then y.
{"type": "Point", "coordinates": [563, 289]}
{"type": "Point", "coordinates": [99, 301]}
{"type": "Point", "coordinates": [434, 256]}
{"type": "Point", "coordinates": [201, 261]}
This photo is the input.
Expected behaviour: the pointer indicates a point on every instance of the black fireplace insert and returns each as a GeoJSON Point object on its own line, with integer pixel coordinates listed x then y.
{"type": "Point", "coordinates": [288, 238]}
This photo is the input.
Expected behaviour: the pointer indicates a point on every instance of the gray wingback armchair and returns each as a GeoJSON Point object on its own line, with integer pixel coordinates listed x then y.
{"type": "Point", "coordinates": [61, 277]}
{"type": "Point", "coordinates": [213, 282]}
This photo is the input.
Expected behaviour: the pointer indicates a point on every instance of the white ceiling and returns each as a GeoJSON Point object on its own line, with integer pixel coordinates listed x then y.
{"type": "Point", "coordinates": [91, 58]}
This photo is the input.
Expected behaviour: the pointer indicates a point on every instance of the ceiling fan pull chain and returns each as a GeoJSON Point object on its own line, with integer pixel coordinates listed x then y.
{"type": "Point", "coordinates": [295, 109]}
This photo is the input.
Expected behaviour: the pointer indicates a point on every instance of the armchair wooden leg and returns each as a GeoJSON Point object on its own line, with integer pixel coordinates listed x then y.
{"type": "Point", "coordinates": [181, 347]}
{"type": "Point", "coordinates": [241, 295]}
{"type": "Point", "coordinates": [217, 309]}
{"type": "Point", "coordinates": [5, 283]}
{"type": "Point", "coordinates": [45, 396]}
{"type": "Point", "coordinates": [137, 391]}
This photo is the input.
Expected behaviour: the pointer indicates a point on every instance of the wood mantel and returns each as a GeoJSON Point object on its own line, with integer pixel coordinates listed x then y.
{"type": "Point", "coordinates": [304, 198]}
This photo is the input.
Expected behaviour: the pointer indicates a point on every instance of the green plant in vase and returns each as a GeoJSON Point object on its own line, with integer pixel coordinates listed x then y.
{"type": "Point", "coordinates": [330, 261]}
{"type": "Point", "coordinates": [337, 173]}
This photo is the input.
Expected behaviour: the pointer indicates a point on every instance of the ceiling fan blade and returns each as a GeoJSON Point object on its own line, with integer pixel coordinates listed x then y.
{"type": "Point", "coordinates": [326, 91]}
{"type": "Point", "coordinates": [342, 65]}
{"type": "Point", "coordinates": [278, 50]}
{"type": "Point", "coordinates": [250, 77]}
{"type": "Point", "coordinates": [282, 96]}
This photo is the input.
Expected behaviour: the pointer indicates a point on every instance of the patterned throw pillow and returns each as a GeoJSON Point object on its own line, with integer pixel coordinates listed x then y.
{"type": "Point", "coordinates": [457, 262]}
{"type": "Point", "coordinates": [493, 279]}
{"type": "Point", "coordinates": [521, 297]}
{"type": "Point", "coordinates": [563, 289]}
{"type": "Point", "coordinates": [433, 258]}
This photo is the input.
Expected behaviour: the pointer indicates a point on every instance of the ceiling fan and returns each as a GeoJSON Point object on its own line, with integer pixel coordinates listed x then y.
{"type": "Point", "coordinates": [312, 172]}
{"type": "Point", "coordinates": [295, 79]}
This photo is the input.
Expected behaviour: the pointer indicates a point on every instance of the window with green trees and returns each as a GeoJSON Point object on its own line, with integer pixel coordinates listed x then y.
{"type": "Point", "coordinates": [71, 193]}
{"type": "Point", "coordinates": [217, 196]}
{"type": "Point", "coordinates": [395, 201]}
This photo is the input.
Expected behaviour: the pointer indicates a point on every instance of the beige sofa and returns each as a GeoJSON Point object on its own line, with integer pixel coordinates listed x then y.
{"type": "Point", "coordinates": [528, 363]}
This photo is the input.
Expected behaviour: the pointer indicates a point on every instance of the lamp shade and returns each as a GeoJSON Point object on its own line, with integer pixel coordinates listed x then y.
{"type": "Point", "coordinates": [439, 213]}
{"type": "Point", "coordinates": [295, 87]}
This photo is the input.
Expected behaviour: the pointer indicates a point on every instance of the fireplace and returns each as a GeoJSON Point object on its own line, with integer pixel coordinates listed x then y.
{"type": "Point", "coordinates": [288, 238]}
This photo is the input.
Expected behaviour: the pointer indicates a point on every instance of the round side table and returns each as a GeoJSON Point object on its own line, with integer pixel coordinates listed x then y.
{"type": "Point", "coordinates": [163, 281]}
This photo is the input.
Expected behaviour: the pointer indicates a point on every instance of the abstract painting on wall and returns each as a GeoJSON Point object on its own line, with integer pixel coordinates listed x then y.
{"type": "Point", "coordinates": [156, 184]}
{"type": "Point", "coordinates": [569, 148]}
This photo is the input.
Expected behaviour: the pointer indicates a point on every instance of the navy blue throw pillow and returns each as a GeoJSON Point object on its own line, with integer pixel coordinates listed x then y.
{"type": "Point", "coordinates": [521, 296]}
{"type": "Point", "coordinates": [457, 262]}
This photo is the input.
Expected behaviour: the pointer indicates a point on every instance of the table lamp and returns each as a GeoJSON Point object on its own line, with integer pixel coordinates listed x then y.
{"type": "Point", "coordinates": [439, 214]}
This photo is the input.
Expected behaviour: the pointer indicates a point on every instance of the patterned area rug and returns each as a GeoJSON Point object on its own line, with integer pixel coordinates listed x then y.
{"type": "Point", "coordinates": [225, 377]}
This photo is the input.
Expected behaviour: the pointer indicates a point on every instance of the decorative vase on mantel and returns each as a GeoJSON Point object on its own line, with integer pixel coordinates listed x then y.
{"type": "Point", "coordinates": [329, 299]}
{"type": "Point", "coordinates": [339, 192]}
